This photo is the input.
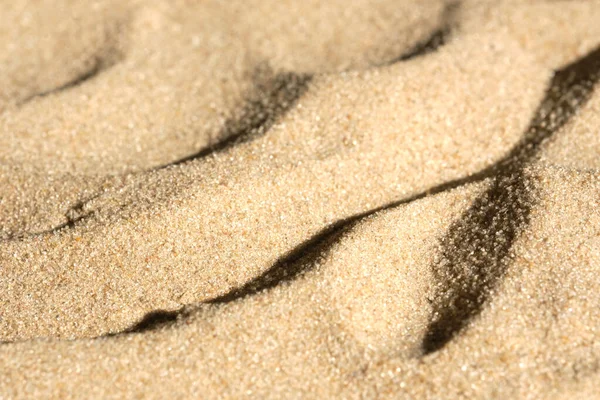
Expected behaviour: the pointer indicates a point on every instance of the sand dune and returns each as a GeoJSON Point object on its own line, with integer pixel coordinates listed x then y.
{"type": "Point", "coordinates": [389, 199]}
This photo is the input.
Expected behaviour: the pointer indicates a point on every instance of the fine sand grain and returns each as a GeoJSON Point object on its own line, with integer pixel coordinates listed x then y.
{"type": "Point", "coordinates": [258, 199]}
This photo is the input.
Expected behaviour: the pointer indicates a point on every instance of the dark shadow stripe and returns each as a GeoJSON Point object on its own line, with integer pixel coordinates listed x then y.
{"type": "Point", "coordinates": [271, 99]}
{"type": "Point", "coordinates": [436, 40]}
{"type": "Point", "coordinates": [98, 66]}
{"type": "Point", "coordinates": [474, 256]}
{"type": "Point", "coordinates": [293, 264]}
{"type": "Point", "coordinates": [89, 74]}
{"type": "Point", "coordinates": [431, 44]}
{"type": "Point", "coordinates": [475, 250]}
{"type": "Point", "coordinates": [153, 320]}
{"type": "Point", "coordinates": [106, 57]}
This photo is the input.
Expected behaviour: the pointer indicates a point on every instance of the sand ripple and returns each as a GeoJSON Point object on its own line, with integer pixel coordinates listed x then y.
{"type": "Point", "coordinates": [254, 199]}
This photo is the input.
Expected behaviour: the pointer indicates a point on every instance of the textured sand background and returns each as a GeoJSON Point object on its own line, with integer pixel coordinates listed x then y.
{"type": "Point", "coordinates": [300, 199]}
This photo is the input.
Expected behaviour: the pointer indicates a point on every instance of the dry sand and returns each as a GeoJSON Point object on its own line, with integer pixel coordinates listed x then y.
{"type": "Point", "coordinates": [260, 199]}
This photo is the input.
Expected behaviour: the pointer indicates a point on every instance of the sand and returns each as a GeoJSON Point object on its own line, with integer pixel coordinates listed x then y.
{"type": "Point", "coordinates": [259, 199]}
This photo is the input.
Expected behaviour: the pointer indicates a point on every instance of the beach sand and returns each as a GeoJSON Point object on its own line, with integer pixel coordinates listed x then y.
{"type": "Point", "coordinates": [256, 199]}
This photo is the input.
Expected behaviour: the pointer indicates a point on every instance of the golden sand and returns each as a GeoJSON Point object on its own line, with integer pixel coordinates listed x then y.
{"type": "Point", "coordinates": [337, 199]}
